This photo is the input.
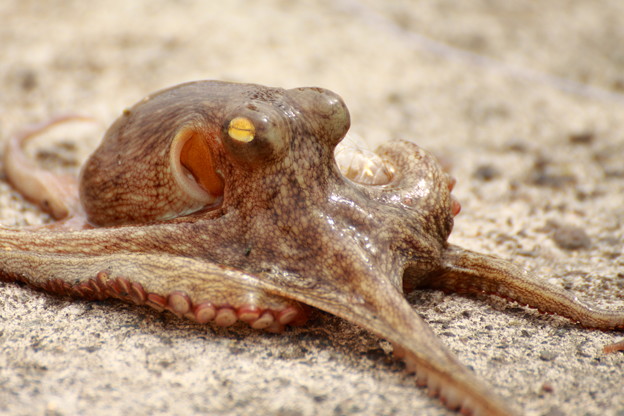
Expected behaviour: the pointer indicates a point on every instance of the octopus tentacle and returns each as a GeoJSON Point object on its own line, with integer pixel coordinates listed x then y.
{"type": "Point", "coordinates": [204, 291]}
{"type": "Point", "coordinates": [187, 287]}
{"type": "Point", "coordinates": [55, 193]}
{"type": "Point", "coordinates": [366, 302]}
{"type": "Point", "coordinates": [616, 346]}
{"type": "Point", "coordinates": [465, 271]}
{"type": "Point", "coordinates": [401, 173]}
{"type": "Point", "coordinates": [417, 177]}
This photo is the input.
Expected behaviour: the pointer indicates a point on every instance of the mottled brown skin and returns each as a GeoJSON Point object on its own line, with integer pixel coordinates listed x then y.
{"type": "Point", "coordinates": [284, 228]}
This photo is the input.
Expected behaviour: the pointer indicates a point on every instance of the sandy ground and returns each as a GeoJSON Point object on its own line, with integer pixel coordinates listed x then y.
{"type": "Point", "coordinates": [522, 100]}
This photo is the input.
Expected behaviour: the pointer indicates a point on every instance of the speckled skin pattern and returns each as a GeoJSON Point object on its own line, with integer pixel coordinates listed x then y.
{"type": "Point", "coordinates": [283, 229]}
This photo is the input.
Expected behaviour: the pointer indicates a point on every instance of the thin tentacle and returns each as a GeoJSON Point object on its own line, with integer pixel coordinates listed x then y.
{"type": "Point", "coordinates": [55, 193]}
{"type": "Point", "coordinates": [615, 347]}
{"type": "Point", "coordinates": [464, 271]}
{"type": "Point", "coordinates": [374, 304]}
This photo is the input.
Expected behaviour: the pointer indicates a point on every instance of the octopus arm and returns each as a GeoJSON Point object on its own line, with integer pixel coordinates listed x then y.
{"type": "Point", "coordinates": [187, 287]}
{"type": "Point", "coordinates": [465, 271]}
{"type": "Point", "coordinates": [382, 309]}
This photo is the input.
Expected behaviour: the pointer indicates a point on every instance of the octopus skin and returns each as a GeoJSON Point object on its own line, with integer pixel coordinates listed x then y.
{"type": "Point", "coordinates": [222, 202]}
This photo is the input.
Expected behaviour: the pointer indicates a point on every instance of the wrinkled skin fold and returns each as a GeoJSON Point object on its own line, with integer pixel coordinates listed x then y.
{"type": "Point", "coordinates": [222, 202]}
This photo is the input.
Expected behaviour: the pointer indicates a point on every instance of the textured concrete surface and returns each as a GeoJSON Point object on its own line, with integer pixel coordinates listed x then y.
{"type": "Point", "coordinates": [521, 100]}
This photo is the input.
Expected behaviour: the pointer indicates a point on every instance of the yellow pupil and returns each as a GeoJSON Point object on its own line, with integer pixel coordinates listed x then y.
{"type": "Point", "coordinates": [241, 129]}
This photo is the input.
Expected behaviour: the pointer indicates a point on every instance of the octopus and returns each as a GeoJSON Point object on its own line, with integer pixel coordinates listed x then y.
{"type": "Point", "coordinates": [223, 202]}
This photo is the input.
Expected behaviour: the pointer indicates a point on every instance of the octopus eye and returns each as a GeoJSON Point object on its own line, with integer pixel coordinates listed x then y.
{"type": "Point", "coordinates": [241, 129]}
{"type": "Point", "coordinates": [255, 135]}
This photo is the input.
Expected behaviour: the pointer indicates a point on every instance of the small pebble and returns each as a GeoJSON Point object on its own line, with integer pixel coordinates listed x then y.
{"type": "Point", "coordinates": [569, 237]}
{"type": "Point", "coordinates": [547, 388]}
{"type": "Point", "coordinates": [546, 355]}
{"type": "Point", "coordinates": [584, 137]}
{"type": "Point", "coordinates": [547, 174]}
{"type": "Point", "coordinates": [486, 173]}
